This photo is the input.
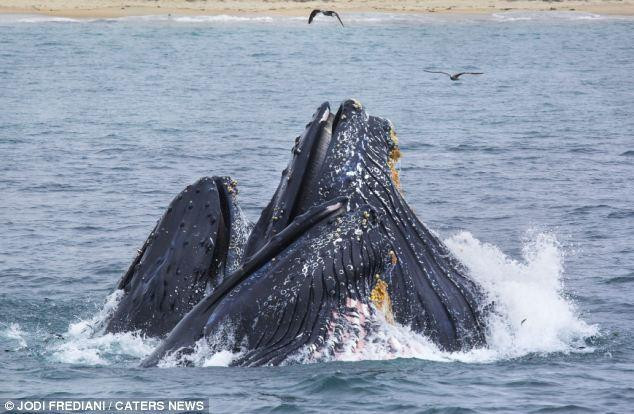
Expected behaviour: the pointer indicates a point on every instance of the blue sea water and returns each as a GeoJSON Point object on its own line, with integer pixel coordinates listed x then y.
{"type": "Point", "coordinates": [526, 171]}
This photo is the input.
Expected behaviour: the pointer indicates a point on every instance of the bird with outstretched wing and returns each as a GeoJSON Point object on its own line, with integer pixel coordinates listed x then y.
{"type": "Point", "coordinates": [329, 13]}
{"type": "Point", "coordinates": [455, 76]}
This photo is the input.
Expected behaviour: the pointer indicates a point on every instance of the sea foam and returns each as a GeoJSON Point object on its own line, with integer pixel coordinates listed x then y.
{"type": "Point", "coordinates": [15, 333]}
{"type": "Point", "coordinates": [86, 343]}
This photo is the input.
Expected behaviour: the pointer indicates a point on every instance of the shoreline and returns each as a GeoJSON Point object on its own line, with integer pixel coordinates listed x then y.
{"type": "Point", "coordinates": [122, 8]}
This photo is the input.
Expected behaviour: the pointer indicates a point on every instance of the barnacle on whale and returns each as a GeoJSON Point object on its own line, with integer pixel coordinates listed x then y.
{"type": "Point", "coordinates": [380, 297]}
{"type": "Point", "coordinates": [394, 156]}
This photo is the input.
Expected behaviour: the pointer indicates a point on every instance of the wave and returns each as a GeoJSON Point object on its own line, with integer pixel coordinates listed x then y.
{"type": "Point", "coordinates": [621, 214]}
{"type": "Point", "coordinates": [36, 18]}
{"type": "Point", "coordinates": [619, 280]}
{"type": "Point", "coordinates": [217, 18]}
{"type": "Point", "coordinates": [516, 16]}
{"type": "Point", "coordinates": [221, 18]}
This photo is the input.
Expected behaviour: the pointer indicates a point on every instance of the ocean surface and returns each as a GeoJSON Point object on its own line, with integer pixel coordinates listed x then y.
{"type": "Point", "coordinates": [527, 173]}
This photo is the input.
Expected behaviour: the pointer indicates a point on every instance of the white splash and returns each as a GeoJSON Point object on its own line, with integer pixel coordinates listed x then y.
{"type": "Point", "coordinates": [533, 313]}
{"type": "Point", "coordinates": [14, 332]}
{"type": "Point", "coordinates": [207, 352]}
{"type": "Point", "coordinates": [203, 356]}
{"type": "Point", "coordinates": [86, 343]}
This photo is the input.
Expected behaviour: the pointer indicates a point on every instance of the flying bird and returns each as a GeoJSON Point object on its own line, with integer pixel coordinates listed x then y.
{"type": "Point", "coordinates": [455, 76]}
{"type": "Point", "coordinates": [325, 13]}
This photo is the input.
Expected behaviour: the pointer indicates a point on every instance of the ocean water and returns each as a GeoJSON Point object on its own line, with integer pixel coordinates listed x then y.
{"type": "Point", "coordinates": [526, 172]}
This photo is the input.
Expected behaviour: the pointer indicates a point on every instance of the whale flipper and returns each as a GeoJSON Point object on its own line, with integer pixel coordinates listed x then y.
{"type": "Point", "coordinates": [188, 252]}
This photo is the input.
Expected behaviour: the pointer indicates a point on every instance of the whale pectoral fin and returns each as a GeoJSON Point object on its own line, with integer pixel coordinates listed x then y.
{"type": "Point", "coordinates": [186, 251]}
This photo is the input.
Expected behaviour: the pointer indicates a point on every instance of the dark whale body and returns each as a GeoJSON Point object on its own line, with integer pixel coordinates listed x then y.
{"type": "Point", "coordinates": [191, 248]}
{"type": "Point", "coordinates": [337, 237]}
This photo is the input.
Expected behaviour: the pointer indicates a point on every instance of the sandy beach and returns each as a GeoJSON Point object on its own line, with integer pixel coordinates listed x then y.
{"type": "Point", "coordinates": [120, 8]}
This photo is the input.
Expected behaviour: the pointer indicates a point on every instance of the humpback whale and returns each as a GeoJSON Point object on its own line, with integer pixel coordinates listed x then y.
{"type": "Point", "coordinates": [337, 239]}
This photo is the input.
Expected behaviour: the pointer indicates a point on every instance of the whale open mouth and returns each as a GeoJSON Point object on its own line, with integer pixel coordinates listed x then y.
{"type": "Point", "coordinates": [337, 231]}
{"type": "Point", "coordinates": [296, 190]}
{"type": "Point", "coordinates": [326, 140]}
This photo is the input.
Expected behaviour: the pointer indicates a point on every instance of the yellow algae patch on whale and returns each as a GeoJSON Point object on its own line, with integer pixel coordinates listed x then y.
{"type": "Point", "coordinates": [394, 155]}
{"type": "Point", "coordinates": [381, 299]}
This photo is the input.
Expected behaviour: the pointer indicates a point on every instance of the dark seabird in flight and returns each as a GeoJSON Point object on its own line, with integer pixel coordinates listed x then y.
{"type": "Point", "coordinates": [325, 13]}
{"type": "Point", "coordinates": [455, 76]}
